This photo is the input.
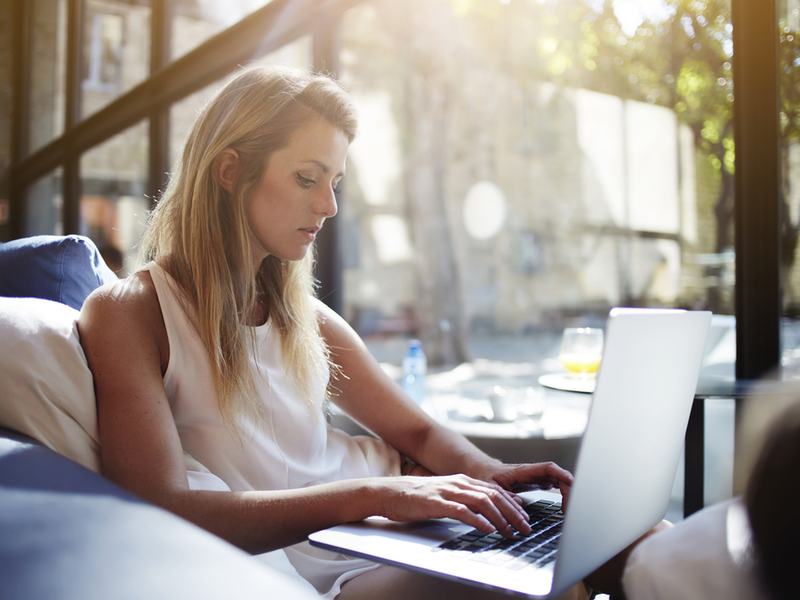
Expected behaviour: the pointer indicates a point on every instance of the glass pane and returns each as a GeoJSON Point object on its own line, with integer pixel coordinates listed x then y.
{"type": "Point", "coordinates": [183, 113]}
{"type": "Point", "coordinates": [44, 204]}
{"type": "Point", "coordinates": [195, 21]}
{"type": "Point", "coordinates": [116, 50]}
{"type": "Point", "coordinates": [113, 206]}
{"type": "Point", "coordinates": [47, 76]}
{"type": "Point", "coordinates": [525, 166]}
{"type": "Point", "coordinates": [522, 167]}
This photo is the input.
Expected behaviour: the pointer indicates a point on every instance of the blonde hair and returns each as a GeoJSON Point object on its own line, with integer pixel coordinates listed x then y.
{"type": "Point", "coordinates": [201, 230]}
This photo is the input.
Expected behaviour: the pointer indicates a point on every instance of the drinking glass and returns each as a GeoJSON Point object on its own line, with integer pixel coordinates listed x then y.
{"type": "Point", "coordinates": [581, 351]}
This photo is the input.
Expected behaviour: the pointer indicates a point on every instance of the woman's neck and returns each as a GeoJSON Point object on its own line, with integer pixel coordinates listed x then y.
{"type": "Point", "coordinates": [259, 315]}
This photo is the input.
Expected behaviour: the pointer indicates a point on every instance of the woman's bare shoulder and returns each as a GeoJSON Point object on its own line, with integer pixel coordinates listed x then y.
{"type": "Point", "coordinates": [124, 311]}
{"type": "Point", "coordinates": [132, 297]}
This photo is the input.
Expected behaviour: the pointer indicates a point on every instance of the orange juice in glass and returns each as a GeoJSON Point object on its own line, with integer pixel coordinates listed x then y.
{"type": "Point", "coordinates": [581, 351]}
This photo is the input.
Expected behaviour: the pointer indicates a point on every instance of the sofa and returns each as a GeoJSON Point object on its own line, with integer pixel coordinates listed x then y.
{"type": "Point", "coordinates": [65, 531]}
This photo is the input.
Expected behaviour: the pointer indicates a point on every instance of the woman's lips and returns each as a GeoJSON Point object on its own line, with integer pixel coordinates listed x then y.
{"type": "Point", "coordinates": [311, 232]}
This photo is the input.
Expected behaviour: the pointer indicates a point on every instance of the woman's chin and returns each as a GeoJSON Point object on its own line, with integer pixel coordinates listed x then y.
{"type": "Point", "coordinates": [293, 256]}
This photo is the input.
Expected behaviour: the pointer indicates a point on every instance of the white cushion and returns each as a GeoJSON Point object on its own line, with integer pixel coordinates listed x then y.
{"type": "Point", "coordinates": [47, 388]}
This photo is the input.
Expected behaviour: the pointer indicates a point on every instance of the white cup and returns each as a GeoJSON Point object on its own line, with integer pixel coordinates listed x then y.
{"type": "Point", "coordinates": [530, 402]}
{"type": "Point", "coordinates": [504, 409]}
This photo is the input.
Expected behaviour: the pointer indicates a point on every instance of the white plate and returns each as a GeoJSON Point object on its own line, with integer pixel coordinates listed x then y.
{"type": "Point", "coordinates": [563, 381]}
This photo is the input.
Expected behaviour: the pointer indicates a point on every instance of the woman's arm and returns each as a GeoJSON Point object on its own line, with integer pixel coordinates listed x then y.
{"type": "Point", "coordinates": [377, 402]}
{"type": "Point", "coordinates": [125, 342]}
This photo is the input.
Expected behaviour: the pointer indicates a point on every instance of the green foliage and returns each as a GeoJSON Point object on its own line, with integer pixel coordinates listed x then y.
{"type": "Point", "coordinates": [682, 62]}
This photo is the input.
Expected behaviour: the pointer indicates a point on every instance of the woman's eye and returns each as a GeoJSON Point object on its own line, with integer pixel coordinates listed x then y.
{"type": "Point", "coordinates": [305, 182]}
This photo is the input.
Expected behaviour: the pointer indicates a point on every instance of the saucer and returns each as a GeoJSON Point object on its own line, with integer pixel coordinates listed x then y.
{"type": "Point", "coordinates": [563, 381]}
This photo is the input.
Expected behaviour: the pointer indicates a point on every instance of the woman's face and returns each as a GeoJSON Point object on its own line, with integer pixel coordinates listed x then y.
{"type": "Point", "coordinates": [296, 192]}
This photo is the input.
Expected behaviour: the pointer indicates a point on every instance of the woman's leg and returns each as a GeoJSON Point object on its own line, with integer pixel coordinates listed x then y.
{"type": "Point", "coordinates": [390, 583]}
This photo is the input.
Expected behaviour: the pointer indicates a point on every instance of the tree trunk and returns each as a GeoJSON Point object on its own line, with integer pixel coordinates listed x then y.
{"type": "Point", "coordinates": [724, 211]}
{"type": "Point", "coordinates": [440, 300]}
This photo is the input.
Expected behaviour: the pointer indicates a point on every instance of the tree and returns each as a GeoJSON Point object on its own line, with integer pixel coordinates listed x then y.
{"type": "Point", "coordinates": [425, 33]}
{"type": "Point", "coordinates": [685, 63]}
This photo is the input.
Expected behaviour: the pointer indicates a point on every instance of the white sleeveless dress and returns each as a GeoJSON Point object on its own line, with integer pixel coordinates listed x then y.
{"type": "Point", "coordinates": [294, 448]}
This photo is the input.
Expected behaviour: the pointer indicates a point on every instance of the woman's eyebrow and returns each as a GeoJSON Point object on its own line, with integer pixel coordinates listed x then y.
{"type": "Point", "coordinates": [325, 168]}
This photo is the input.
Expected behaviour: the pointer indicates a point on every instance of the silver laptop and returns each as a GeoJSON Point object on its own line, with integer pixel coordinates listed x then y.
{"type": "Point", "coordinates": [623, 478]}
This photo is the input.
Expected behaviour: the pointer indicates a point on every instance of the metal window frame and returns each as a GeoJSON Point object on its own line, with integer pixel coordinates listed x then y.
{"type": "Point", "coordinates": [71, 182]}
{"type": "Point", "coordinates": [757, 181]}
{"type": "Point", "coordinates": [757, 187]}
{"type": "Point", "coordinates": [269, 28]}
{"type": "Point", "coordinates": [158, 122]}
{"type": "Point", "coordinates": [21, 81]}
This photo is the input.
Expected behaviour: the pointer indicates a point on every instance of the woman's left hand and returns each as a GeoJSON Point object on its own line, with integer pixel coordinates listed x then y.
{"type": "Point", "coordinates": [528, 477]}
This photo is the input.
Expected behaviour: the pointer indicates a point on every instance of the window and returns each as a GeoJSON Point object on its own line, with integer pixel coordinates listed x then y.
{"type": "Point", "coordinates": [48, 68]}
{"type": "Point", "coordinates": [113, 204]}
{"type": "Point", "coordinates": [195, 21]}
{"type": "Point", "coordinates": [524, 166]}
{"type": "Point", "coordinates": [44, 204]}
{"type": "Point", "coordinates": [116, 50]}
{"type": "Point", "coordinates": [184, 112]}
{"type": "Point", "coordinates": [103, 52]}
{"type": "Point", "coordinates": [503, 182]}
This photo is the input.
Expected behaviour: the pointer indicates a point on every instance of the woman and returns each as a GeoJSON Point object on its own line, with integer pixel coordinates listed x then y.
{"type": "Point", "coordinates": [216, 351]}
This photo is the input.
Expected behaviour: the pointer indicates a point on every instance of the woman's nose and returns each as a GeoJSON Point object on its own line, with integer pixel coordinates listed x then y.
{"type": "Point", "coordinates": [326, 204]}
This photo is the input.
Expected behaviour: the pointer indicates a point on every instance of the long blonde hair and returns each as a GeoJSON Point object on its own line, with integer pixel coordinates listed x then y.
{"type": "Point", "coordinates": [201, 231]}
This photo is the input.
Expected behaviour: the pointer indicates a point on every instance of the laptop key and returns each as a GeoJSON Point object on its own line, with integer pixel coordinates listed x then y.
{"type": "Point", "coordinates": [516, 564]}
{"type": "Point", "coordinates": [549, 558]}
{"type": "Point", "coordinates": [518, 551]}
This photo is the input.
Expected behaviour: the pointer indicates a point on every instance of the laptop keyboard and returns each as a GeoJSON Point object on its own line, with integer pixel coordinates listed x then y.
{"type": "Point", "coordinates": [520, 551]}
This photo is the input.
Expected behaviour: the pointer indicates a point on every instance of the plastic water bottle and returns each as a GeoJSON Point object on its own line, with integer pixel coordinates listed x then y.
{"type": "Point", "coordinates": [414, 367]}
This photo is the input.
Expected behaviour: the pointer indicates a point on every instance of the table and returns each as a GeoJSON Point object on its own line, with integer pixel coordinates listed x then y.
{"type": "Point", "coordinates": [551, 433]}
{"type": "Point", "coordinates": [738, 390]}
{"type": "Point", "coordinates": [515, 442]}
{"type": "Point", "coordinates": [525, 442]}
{"type": "Point", "coordinates": [555, 435]}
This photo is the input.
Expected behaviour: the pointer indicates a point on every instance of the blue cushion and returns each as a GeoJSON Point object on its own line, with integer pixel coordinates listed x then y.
{"type": "Point", "coordinates": [65, 269]}
{"type": "Point", "coordinates": [68, 533]}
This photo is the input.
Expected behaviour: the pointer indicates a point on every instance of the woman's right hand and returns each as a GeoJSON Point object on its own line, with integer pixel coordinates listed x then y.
{"type": "Point", "coordinates": [485, 506]}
